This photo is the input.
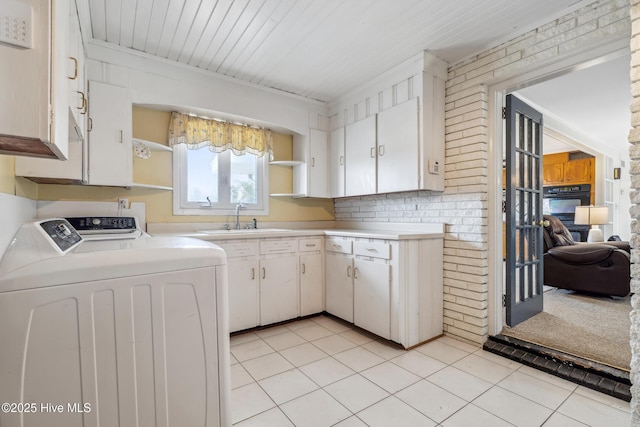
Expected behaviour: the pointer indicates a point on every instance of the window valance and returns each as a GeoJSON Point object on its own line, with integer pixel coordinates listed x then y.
{"type": "Point", "coordinates": [198, 132]}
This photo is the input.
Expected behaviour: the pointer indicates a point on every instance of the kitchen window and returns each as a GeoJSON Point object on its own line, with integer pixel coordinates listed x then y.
{"type": "Point", "coordinates": [210, 183]}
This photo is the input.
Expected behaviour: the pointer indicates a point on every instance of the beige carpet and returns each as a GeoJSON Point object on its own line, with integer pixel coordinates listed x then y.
{"type": "Point", "coordinates": [594, 328]}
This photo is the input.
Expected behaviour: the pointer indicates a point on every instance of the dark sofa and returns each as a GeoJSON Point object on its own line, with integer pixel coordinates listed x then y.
{"type": "Point", "coordinates": [599, 268]}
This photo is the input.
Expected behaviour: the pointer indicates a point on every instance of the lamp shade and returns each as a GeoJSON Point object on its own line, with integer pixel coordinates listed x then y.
{"type": "Point", "coordinates": [591, 215]}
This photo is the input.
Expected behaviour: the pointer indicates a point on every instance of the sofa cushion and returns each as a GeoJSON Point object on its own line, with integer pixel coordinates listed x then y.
{"type": "Point", "coordinates": [582, 254]}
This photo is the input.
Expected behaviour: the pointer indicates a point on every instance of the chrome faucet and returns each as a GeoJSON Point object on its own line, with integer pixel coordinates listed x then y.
{"type": "Point", "coordinates": [238, 207]}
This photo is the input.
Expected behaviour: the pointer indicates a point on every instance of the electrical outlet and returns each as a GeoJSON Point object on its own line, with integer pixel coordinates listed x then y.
{"type": "Point", "coordinates": [123, 203]}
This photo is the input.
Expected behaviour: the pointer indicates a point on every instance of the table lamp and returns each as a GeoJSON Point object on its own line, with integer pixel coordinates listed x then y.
{"type": "Point", "coordinates": [593, 216]}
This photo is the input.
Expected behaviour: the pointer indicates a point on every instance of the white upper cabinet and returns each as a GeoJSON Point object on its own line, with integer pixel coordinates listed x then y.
{"type": "Point", "coordinates": [394, 139]}
{"type": "Point", "coordinates": [360, 157]}
{"type": "Point", "coordinates": [73, 169]}
{"type": "Point", "coordinates": [398, 138]}
{"type": "Point", "coordinates": [78, 102]}
{"type": "Point", "coordinates": [310, 172]}
{"type": "Point", "coordinates": [110, 161]}
{"type": "Point", "coordinates": [336, 163]}
{"type": "Point", "coordinates": [34, 117]}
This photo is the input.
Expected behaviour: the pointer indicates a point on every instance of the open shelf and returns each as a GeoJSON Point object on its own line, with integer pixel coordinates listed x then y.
{"type": "Point", "coordinates": [151, 186]}
{"type": "Point", "coordinates": [286, 195]}
{"type": "Point", "coordinates": [154, 146]}
{"type": "Point", "coordinates": [286, 163]}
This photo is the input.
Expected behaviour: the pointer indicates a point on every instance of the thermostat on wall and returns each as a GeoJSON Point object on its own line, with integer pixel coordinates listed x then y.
{"type": "Point", "coordinates": [16, 23]}
{"type": "Point", "coordinates": [434, 167]}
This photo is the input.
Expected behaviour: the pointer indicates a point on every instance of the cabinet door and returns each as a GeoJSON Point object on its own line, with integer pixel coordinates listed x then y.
{"type": "Point", "coordinates": [398, 138]}
{"type": "Point", "coordinates": [360, 157]}
{"type": "Point", "coordinates": [109, 140]}
{"type": "Point", "coordinates": [317, 180]}
{"type": "Point", "coordinates": [371, 297]}
{"type": "Point", "coordinates": [336, 163]}
{"type": "Point", "coordinates": [311, 280]}
{"type": "Point", "coordinates": [578, 171]}
{"type": "Point", "coordinates": [278, 289]}
{"type": "Point", "coordinates": [339, 285]}
{"type": "Point", "coordinates": [243, 293]}
{"type": "Point", "coordinates": [553, 174]}
{"type": "Point", "coordinates": [77, 94]}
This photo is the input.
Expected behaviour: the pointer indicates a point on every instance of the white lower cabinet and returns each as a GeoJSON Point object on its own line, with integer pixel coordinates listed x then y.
{"type": "Point", "coordinates": [393, 288]}
{"type": "Point", "coordinates": [311, 284]}
{"type": "Point", "coordinates": [339, 285]}
{"type": "Point", "coordinates": [390, 287]}
{"type": "Point", "coordinates": [372, 297]}
{"type": "Point", "coordinates": [278, 289]}
{"type": "Point", "coordinates": [273, 280]}
{"type": "Point", "coordinates": [243, 293]}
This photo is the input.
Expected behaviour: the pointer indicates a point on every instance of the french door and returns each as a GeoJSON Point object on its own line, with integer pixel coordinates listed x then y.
{"type": "Point", "coordinates": [524, 244]}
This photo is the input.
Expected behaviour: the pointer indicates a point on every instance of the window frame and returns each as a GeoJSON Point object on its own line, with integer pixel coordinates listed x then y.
{"type": "Point", "coordinates": [182, 207]}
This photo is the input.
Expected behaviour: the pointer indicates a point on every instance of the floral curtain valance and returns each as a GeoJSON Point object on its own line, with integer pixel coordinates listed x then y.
{"type": "Point", "coordinates": [198, 132]}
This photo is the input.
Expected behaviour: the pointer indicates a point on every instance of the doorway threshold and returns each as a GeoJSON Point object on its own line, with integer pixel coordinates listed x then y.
{"type": "Point", "coordinates": [596, 376]}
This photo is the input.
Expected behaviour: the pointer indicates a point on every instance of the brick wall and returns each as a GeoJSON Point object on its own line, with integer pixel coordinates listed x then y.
{"type": "Point", "coordinates": [463, 207]}
{"type": "Point", "coordinates": [634, 154]}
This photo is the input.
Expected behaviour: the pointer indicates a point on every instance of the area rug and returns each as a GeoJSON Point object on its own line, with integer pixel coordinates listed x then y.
{"type": "Point", "coordinates": [586, 326]}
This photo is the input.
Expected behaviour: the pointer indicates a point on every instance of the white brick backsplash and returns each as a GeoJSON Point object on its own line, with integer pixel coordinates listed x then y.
{"type": "Point", "coordinates": [463, 206]}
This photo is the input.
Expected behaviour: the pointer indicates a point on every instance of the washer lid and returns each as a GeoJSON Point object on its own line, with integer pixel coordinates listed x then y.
{"type": "Point", "coordinates": [112, 259]}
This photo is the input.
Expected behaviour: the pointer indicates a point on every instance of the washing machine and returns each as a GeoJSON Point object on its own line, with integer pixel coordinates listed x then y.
{"type": "Point", "coordinates": [123, 329]}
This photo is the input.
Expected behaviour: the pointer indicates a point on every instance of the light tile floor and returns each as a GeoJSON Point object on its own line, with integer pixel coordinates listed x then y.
{"type": "Point", "coordinates": [322, 372]}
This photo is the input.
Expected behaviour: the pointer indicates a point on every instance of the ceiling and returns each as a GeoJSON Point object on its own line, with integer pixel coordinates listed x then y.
{"type": "Point", "coordinates": [319, 49]}
{"type": "Point", "coordinates": [322, 49]}
{"type": "Point", "coordinates": [594, 101]}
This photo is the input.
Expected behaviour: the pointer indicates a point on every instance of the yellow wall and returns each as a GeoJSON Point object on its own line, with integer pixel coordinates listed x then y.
{"type": "Point", "coordinates": [7, 174]}
{"type": "Point", "coordinates": [152, 125]}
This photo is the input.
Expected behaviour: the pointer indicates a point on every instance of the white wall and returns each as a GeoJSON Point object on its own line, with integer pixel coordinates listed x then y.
{"type": "Point", "coordinates": [160, 82]}
{"type": "Point", "coordinates": [14, 211]}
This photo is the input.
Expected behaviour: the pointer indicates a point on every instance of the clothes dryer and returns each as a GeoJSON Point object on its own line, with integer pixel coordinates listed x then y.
{"type": "Point", "coordinates": [126, 332]}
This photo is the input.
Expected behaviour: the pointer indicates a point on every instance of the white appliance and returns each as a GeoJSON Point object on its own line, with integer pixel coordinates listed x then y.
{"type": "Point", "coordinates": [125, 332]}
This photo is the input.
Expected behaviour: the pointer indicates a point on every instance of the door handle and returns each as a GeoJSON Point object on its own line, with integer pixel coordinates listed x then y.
{"type": "Point", "coordinates": [313, 162]}
{"type": "Point", "coordinates": [348, 271]}
{"type": "Point", "coordinates": [303, 268]}
{"type": "Point", "coordinates": [355, 273]}
{"type": "Point", "coordinates": [264, 272]}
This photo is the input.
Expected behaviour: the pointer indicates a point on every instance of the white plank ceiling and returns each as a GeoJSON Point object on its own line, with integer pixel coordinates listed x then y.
{"type": "Point", "coordinates": [317, 49]}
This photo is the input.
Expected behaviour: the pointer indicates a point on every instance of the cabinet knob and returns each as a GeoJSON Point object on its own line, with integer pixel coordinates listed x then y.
{"type": "Point", "coordinates": [253, 273]}
{"type": "Point", "coordinates": [381, 150]}
{"type": "Point", "coordinates": [348, 271]}
{"type": "Point", "coordinates": [373, 152]}
{"type": "Point", "coordinates": [303, 268]}
{"type": "Point", "coordinates": [341, 161]}
{"type": "Point", "coordinates": [264, 272]}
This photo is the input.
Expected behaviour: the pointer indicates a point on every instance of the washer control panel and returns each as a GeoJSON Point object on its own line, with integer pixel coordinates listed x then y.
{"type": "Point", "coordinates": [104, 223]}
{"type": "Point", "coordinates": [61, 233]}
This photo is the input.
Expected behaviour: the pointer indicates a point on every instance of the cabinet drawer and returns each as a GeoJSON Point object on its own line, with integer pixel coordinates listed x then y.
{"type": "Point", "coordinates": [372, 249]}
{"type": "Point", "coordinates": [307, 245]}
{"type": "Point", "coordinates": [238, 249]}
{"type": "Point", "coordinates": [338, 245]}
{"type": "Point", "coordinates": [278, 246]}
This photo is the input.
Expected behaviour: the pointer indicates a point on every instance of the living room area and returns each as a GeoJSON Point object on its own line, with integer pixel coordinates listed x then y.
{"type": "Point", "coordinates": [583, 318]}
